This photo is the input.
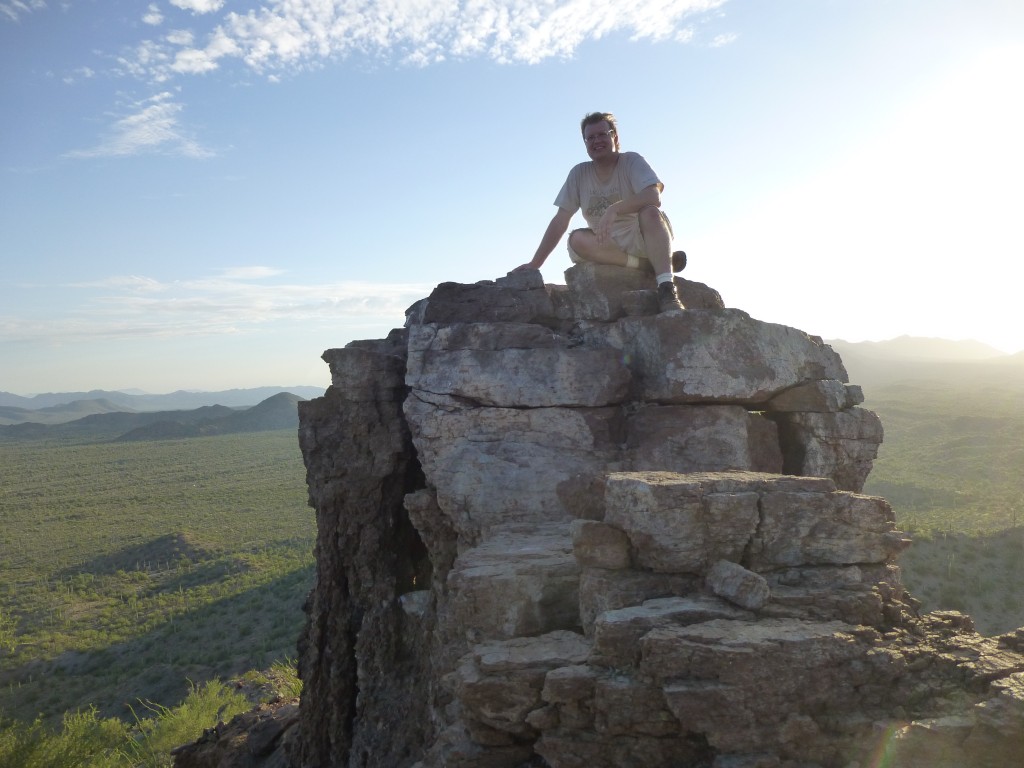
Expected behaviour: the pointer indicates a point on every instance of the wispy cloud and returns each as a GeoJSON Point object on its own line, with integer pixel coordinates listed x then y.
{"type": "Point", "coordinates": [232, 301]}
{"type": "Point", "coordinates": [278, 38]}
{"type": "Point", "coordinates": [151, 125]}
{"type": "Point", "coordinates": [15, 9]}
{"type": "Point", "coordinates": [199, 6]}
{"type": "Point", "coordinates": [250, 273]}
{"type": "Point", "coordinates": [82, 73]}
{"type": "Point", "coordinates": [284, 35]}
{"type": "Point", "coordinates": [153, 16]}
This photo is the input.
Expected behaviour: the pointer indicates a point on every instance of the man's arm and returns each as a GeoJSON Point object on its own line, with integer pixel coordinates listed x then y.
{"type": "Point", "coordinates": [556, 228]}
{"type": "Point", "coordinates": [647, 196]}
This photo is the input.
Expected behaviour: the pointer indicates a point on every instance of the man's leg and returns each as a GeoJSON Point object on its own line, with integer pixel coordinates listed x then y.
{"type": "Point", "coordinates": [657, 240]}
{"type": "Point", "coordinates": [658, 246]}
{"type": "Point", "coordinates": [584, 243]}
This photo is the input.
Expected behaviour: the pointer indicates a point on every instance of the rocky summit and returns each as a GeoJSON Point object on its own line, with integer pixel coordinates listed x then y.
{"type": "Point", "coordinates": [557, 528]}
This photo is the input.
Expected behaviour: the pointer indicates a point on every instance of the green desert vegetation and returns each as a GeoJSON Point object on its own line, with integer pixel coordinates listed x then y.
{"type": "Point", "coordinates": [84, 739]}
{"type": "Point", "coordinates": [133, 576]}
{"type": "Point", "coordinates": [952, 466]}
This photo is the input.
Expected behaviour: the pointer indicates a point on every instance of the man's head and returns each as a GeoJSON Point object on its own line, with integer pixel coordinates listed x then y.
{"type": "Point", "coordinates": [597, 123]}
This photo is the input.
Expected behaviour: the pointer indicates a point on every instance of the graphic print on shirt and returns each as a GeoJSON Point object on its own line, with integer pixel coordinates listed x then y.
{"type": "Point", "coordinates": [598, 204]}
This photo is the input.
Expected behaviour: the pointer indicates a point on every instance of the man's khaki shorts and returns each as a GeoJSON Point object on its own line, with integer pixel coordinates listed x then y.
{"type": "Point", "coordinates": [629, 239]}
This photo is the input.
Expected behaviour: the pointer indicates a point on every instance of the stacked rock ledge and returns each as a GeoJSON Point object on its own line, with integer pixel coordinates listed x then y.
{"type": "Point", "coordinates": [558, 529]}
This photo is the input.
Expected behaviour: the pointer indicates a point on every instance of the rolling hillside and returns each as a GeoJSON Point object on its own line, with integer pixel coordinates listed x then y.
{"type": "Point", "coordinates": [276, 412]}
{"type": "Point", "coordinates": [965, 364]}
{"type": "Point", "coordinates": [54, 408]}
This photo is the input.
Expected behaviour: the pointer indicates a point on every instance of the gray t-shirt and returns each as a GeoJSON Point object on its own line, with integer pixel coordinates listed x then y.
{"type": "Point", "coordinates": [584, 191]}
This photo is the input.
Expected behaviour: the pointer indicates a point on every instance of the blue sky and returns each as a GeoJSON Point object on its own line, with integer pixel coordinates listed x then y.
{"type": "Point", "coordinates": [206, 194]}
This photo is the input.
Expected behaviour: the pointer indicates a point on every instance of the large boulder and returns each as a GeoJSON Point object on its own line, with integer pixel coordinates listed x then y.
{"type": "Point", "coordinates": [556, 528]}
{"type": "Point", "coordinates": [720, 356]}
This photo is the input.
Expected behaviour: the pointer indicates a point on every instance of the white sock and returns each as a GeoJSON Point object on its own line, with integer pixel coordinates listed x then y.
{"type": "Point", "coordinates": [664, 277]}
{"type": "Point", "coordinates": [632, 261]}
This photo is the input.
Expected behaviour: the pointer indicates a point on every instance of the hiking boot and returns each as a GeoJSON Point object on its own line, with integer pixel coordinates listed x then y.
{"type": "Point", "coordinates": [678, 261]}
{"type": "Point", "coordinates": [668, 299]}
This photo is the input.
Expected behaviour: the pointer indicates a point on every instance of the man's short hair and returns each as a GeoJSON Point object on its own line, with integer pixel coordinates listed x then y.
{"type": "Point", "coordinates": [597, 117]}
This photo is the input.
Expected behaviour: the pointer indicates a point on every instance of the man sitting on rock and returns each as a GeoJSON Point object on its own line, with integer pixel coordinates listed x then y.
{"type": "Point", "coordinates": [621, 200]}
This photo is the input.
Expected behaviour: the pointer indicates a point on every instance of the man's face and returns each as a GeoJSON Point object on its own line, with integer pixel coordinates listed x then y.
{"type": "Point", "coordinates": [600, 140]}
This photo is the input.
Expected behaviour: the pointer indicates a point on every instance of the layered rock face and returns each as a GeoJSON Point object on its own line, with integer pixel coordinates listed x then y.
{"type": "Point", "coordinates": [559, 529]}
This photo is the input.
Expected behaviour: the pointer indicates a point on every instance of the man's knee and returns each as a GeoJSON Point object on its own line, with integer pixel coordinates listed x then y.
{"type": "Point", "coordinates": [650, 214]}
{"type": "Point", "coordinates": [577, 236]}
{"type": "Point", "coordinates": [653, 221]}
{"type": "Point", "coordinates": [579, 243]}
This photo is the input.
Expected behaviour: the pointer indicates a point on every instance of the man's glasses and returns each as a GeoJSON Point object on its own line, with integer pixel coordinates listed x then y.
{"type": "Point", "coordinates": [599, 135]}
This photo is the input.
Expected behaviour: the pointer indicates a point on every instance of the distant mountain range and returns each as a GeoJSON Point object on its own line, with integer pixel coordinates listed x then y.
{"type": "Point", "coordinates": [61, 407]}
{"type": "Point", "coordinates": [233, 398]}
{"type": "Point", "coordinates": [279, 411]}
{"type": "Point", "coordinates": [919, 348]}
{"type": "Point", "coordinates": [910, 359]}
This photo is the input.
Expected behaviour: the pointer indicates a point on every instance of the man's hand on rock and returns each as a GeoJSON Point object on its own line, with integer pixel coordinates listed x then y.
{"type": "Point", "coordinates": [527, 265]}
